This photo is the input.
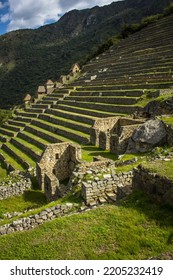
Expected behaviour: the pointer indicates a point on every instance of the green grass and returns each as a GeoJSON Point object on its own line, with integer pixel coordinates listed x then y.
{"type": "Point", "coordinates": [88, 152]}
{"type": "Point", "coordinates": [126, 168]}
{"type": "Point", "coordinates": [144, 100]}
{"type": "Point", "coordinates": [102, 233]}
{"type": "Point", "coordinates": [164, 168]}
{"type": "Point", "coordinates": [11, 160]}
{"type": "Point", "coordinates": [167, 120]}
{"type": "Point", "coordinates": [5, 115]}
{"type": "Point", "coordinates": [29, 145]}
{"type": "Point", "coordinates": [22, 155]}
{"type": "Point", "coordinates": [29, 200]}
{"type": "Point", "coordinates": [3, 172]}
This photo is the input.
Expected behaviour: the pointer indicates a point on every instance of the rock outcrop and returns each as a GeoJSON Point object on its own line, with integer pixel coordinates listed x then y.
{"type": "Point", "coordinates": [149, 135]}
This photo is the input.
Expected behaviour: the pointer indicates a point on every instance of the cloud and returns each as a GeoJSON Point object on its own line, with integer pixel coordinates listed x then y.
{"type": "Point", "coordinates": [35, 13]}
{"type": "Point", "coordinates": [3, 4]}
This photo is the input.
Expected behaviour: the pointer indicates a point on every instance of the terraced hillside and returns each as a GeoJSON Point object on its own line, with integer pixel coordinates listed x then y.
{"type": "Point", "coordinates": [111, 84]}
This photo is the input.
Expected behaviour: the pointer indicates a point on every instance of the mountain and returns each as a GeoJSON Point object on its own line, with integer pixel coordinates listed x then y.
{"type": "Point", "coordinates": [29, 57]}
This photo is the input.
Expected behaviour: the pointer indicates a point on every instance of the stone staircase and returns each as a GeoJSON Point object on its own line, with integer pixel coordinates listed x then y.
{"type": "Point", "coordinates": [111, 84]}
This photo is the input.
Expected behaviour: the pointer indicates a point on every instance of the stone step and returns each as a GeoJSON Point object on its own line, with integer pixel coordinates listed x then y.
{"type": "Point", "coordinates": [27, 160]}
{"type": "Point", "coordinates": [45, 134]}
{"type": "Point", "coordinates": [134, 54]}
{"type": "Point", "coordinates": [34, 110]}
{"type": "Point", "coordinates": [130, 93]}
{"type": "Point", "coordinates": [54, 96]}
{"type": "Point", "coordinates": [30, 150]}
{"type": "Point", "coordinates": [9, 133]}
{"type": "Point", "coordinates": [16, 122]}
{"type": "Point", "coordinates": [146, 66]}
{"type": "Point", "coordinates": [4, 138]}
{"type": "Point", "coordinates": [128, 84]}
{"type": "Point", "coordinates": [72, 116]}
{"type": "Point", "coordinates": [23, 119]}
{"type": "Point", "coordinates": [116, 109]}
{"type": "Point", "coordinates": [115, 72]}
{"type": "Point", "coordinates": [14, 153]}
{"type": "Point", "coordinates": [66, 123]}
{"type": "Point", "coordinates": [47, 102]}
{"type": "Point", "coordinates": [87, 111]}
{"type": "Point", "coordinates": [9, 161]}
{"type": "Point", "coordinates": [62, 90]}
{"type": "Point", "coordinates": [129, 81]}
{"type": "Point", "coordinates": [71, 134]}
{"type": "Point", "coordinates": [125, 73]}
{"type": "Point", "coordinates": [40, 106]}
{"type": "Point", "coordinates": [25, 114]}
{"type": "Point", "coordinates": [11, 127]}
{"type": "Point", "coordinates": [104, 99]}
{"type": "Point", "coordinates": [122, 86]}
{"type": "Point", "coordinates": [133, 45]}
{"type": "Point", "coordinates": [125, 63]}
{"type": "Point", "coordinates": [33, 139]}
{"type": "Point", "coordinates": [140, 76]}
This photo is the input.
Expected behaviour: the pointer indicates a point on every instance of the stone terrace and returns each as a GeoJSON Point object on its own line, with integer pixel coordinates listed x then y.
{"type": "Point", "coordinates": [110, 85]}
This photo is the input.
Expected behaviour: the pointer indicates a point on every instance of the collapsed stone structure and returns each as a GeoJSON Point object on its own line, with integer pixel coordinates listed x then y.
{"type": "Point", "coordinates": [113, 133]}
{"type": "Point", "coordinates": [56, 164]}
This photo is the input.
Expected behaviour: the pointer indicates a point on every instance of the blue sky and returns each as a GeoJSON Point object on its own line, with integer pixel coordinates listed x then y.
{"type": "Point", "coordinates": [20, 14]}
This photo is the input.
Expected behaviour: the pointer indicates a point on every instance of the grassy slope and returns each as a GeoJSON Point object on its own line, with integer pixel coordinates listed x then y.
{"type": "Point", "coordinates": [164, 168]}
{"type": "Point", "coordinates": [99, 234]}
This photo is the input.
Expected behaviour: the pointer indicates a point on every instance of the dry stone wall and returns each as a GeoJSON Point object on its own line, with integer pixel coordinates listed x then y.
{"type": "Point", "coordinates": [99, 182]}
{"type": "Point", "coordinates": [11, 188]}
{"type": "Point", "coordinates": [56, 164]}
{"type": "Point", "coordinates": [161, 188]}
{"type": "Point", "coordinates": [110, 187]}
{"type": "Point", "coordinates": [37, 219]}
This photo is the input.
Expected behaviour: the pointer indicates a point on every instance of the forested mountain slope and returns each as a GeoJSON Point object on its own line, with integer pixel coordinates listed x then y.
{"type": "Point", "coordinates": [30, 57]}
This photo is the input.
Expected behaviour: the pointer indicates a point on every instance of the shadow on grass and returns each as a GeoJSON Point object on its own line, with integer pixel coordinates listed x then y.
{"type": "Point", "coordinates": [92, 151]}
{"type": "Point", "coordinates": [36, 197]}
{"type": "Point", "coordinates": [161, 214]}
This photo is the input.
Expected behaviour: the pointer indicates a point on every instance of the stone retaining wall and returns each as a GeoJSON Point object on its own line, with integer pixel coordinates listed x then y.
{"type": "Point", "coordinates": [64, 133]}
{"type": "Point", "coordinates": [37, 219]}
{"type": "Point", "coordinates": [79, 127]}
{"type": "Point", "coordinates": [16, 156]}
{"type": "Point", "coordinates": [43, 135]}
{"type": "Point", "coordinates": [72, 117]}
{"type": "Point", "coordinates": [106, 100]}
{"type": "Point", "coordinates": [104, 107]}
{"type": "Point", "coordinates": [111, 186]}
{"type": "Point", "coordinates": [25, 149]}
{"type": "Point", "coordinates": [31, 140]}
{"type": "Point", "coordinates": [99, 182]}
{"type": "Point", "coordinates": [161, 188]}
{"type": "Point", "coordinates": [14, 189]}
{"type": "Point", "coordinates": [8, 166]}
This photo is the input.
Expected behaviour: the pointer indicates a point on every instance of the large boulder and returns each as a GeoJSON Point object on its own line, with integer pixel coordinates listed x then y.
{"type": "Point", "coordinates": [149, 135]}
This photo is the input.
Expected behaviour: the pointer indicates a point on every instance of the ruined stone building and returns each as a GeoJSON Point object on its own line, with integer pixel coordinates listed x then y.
{"type": "Point", "coordinates": [56, 164]}
{"type": "Point", "coordinates": [113, 133]}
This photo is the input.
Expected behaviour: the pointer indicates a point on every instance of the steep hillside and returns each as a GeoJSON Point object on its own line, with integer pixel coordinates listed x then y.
{"type": "Point", "coordinates": [30, 57]}
{"type": "Point", "coordinates": [114, 83]}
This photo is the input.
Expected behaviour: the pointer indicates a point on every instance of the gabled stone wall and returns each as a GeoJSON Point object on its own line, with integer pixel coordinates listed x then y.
{"type": "Point", "coordinates": [57, 164]}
